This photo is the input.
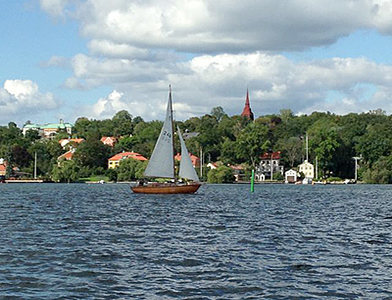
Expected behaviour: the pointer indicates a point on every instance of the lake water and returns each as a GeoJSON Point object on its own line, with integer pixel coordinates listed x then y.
{"type": "Point", "coordinates": [80, 241]}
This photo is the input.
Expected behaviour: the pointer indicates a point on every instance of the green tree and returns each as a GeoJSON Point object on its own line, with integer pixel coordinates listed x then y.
{"type": "Point", "coordinates": [252, 142]}
{"type": "Point", "coordinates": [222, 174]}
{"type": "Point", "coordinates": [380, 172]}
{"type": "Point", "coordinates": [323, 142]}
{"type": "Point", "coordinates": [292, 149]}
{"type": "Point", "coordinates": [218, 113]}
{"type": "Point", "coordinates": [123, 124]}
{"type": "Point", "coordinates": [92, 154]}
{"type": "Point", "coordinates": [130, 169]}
{"type": "Point", "coordinates": [68, 171]}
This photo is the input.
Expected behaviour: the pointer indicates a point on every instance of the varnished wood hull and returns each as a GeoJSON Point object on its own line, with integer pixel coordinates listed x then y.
{"type": "Point", "coordinates": [166, 189]}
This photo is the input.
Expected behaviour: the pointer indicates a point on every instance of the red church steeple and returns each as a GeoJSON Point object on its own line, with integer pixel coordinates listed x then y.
{"type": "Point", "coordinates": [247, 112]}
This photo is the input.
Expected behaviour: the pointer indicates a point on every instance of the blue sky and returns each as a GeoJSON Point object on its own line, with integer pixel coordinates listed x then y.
{"type": "Point", "coordinates": [72, 58]}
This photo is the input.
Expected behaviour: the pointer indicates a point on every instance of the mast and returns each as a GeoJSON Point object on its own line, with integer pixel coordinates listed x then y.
{"type": "Point", "coordinates": [307, 148]}
{"type": "Point", "coordinates": [35, 165]}
{"type": "Point", "coordinates": [172, 120]}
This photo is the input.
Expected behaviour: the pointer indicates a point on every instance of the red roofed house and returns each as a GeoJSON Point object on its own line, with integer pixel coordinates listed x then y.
{"type": "Point", "coordinates": [195, 160]}
{"type": "Point", "coordinates": [238, 172]}
{"type": "Point", "coordinates": [3, 169]}
{"type": "Point", "coordinates": [247, 112]}
{"type": "Point", "coordinates": [109, 140]}
{"type": "Point", "coordinates": [66, 156]}
{"type": "Point", "coordinates": [65, 142]}
{"type": "Point", "coordinates": [115, 160]}
{"type": "Point", "coordinates": [269, 164]}
{"type": "Point", "coordinates": [212, 166]}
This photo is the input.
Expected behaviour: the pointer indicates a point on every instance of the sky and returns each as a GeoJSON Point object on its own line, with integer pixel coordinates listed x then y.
{"type": "Point", "coordinates": [64, 59]}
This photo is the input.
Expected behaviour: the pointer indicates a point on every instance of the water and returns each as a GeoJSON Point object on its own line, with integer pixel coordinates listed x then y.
{"type": "Point", "coordinates": [282, 242]}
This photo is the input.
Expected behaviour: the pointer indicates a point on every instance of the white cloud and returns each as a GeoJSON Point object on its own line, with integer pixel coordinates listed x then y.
{"type": "Point", "coordinates": [108, 106]}
{"type": "Point", "coordinates": [22, 99]}
{"type": "Point", "coordinates": [201, 26]}
{"type": "Point", "coordinates": [56, 8]}
{"type": "Point", "coordinates": [139, 47]}
{"type": "Point", "coordinates": [274, 83]}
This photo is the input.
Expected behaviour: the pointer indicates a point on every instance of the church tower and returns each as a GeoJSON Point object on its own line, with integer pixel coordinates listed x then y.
{"type": "Point", "coordinates": [247, 112]}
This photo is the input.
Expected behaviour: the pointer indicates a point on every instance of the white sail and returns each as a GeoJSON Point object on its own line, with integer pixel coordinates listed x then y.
{"type": "Point", "coordinates": [161, 163]}
{"type": "Point", "coordinates": [186, 168]}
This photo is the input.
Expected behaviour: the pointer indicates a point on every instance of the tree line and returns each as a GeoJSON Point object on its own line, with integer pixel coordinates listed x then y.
{"type": "Point", "coordinates": [333, 140]}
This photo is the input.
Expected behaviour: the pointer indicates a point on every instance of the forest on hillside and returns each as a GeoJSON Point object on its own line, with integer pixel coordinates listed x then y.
{"type": "Point", "coordinates": [333, 139]}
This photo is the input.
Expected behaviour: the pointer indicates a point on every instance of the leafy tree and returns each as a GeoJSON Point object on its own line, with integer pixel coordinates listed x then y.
{"type": "Point", "coordinates": [323, 140]}
{"type": "Point", "coordinates": [32, 135]}
{"type": "Point", "coordinates": [380, 172]}
{"type": "Point", "coordinates": [111, 174]}
{"type": "Point", "coordinates": [376, 142]}
{"type": "Point", "coordinates": [123, 124]}
{"type": "Point", "coordinates": [222, 174]}
{"type": "Point", "coordinates": [92, 154]}
{"type": "Point", "coordinates": [252, 142]}
{"type": "Point", "coordinates": [218, 113]}
{"type": "Point", "coordinates": [68, 171]}
{"type": "Point", "coordinates": [130, 169]}
{"type": "Point", "coordinates": [292, 149]}
{"type": "Point", "coordinates": [228, 152]}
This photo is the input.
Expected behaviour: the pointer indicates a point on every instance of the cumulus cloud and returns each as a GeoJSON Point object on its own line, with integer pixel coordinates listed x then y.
{"type": "Point", "coordinates": [212, 51]}
{"type": "Point", "coordinates": [56, 8]}
{"type": "Point", "coordinates": [22, 99]}
{"type": "Point", "coordinates": [201, 26]}
{"type": "Point", "coordinates": [108, 106]}
{"type": "Point", "coordinates": [275, 82]}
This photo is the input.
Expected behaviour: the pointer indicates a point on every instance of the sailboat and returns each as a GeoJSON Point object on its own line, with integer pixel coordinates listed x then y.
{"type": "Point", "coordinates": [161, 164]}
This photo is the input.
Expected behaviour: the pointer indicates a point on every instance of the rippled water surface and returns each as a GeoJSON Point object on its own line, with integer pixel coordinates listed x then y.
{"type": "Point", "coordinates": [282, 242]}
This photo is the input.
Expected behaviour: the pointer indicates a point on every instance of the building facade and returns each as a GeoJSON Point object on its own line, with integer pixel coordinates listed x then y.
{"type": "Point", "coordinates": [307, 169]}
{"type": "Point", "coordinates": [48, 130]}
{"type": "Point", "coordinates": [269, 165]}
{"type": "Point", "coordinates": [115, 160]}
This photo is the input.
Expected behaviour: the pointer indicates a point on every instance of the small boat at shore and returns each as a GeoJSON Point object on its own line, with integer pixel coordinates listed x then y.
{"type": "Point", "coordinates": [161, 164]}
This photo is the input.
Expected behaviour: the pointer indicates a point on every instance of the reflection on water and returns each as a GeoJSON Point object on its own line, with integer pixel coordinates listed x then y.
{"type": "Point", "coordinates": [103, 242]}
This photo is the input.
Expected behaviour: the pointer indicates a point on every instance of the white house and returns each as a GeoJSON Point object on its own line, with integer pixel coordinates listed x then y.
{"type": "Point", "coordinates": [291, 176]}
{"type": "Point", "coordinates": [269, 165]}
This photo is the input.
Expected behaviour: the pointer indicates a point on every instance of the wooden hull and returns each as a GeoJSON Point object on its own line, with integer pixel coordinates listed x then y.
{"type": "Point", "coordinates": [166, 189]}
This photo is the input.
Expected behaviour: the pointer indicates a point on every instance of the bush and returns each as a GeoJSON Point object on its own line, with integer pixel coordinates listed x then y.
{"type": "Point", "coordinates": [222, 174]}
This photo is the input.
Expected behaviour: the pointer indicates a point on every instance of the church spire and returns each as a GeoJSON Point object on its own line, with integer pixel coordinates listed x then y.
{"type": "Point", "coordinates": [247, 112]}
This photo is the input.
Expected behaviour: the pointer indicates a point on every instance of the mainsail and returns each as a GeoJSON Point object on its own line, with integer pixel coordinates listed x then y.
{"type": "Point", "coordinates": [161, 163]}
{"type": "Point", "coordinates": [186, 168]}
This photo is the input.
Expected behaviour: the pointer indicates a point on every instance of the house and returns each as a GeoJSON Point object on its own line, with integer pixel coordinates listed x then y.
{"type": "Point", "coordinates": [109, 140]}
{"type": "Point", "coordinates": [212, 166]}
{"type": "Point", "coordinates": [66, 156]}
{"type": "Point", "coordinates": [269, 165]}
{"type": "Point", "coordinates": [48, 130]}
{"type": "Point", "coordinates": [70, 142]}
{"type": "Point", "coordinates": [307, 169]}
{"type": "Point", "coordinates": [194, 159]}
{"type": "Point", "coordinates": [291, 176]}
{"type": "Point", "coordinates": [115, 160]}
{"type": "Point", "coordinates": [238, 172]}
{"type": "Point", "coordinates": [3, 168]}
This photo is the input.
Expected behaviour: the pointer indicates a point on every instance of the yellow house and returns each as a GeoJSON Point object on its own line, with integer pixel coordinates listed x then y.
{"type": "Point", "coordinates": [307, 168]}
{"type": "Point", "coordinates": [115, 160]}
